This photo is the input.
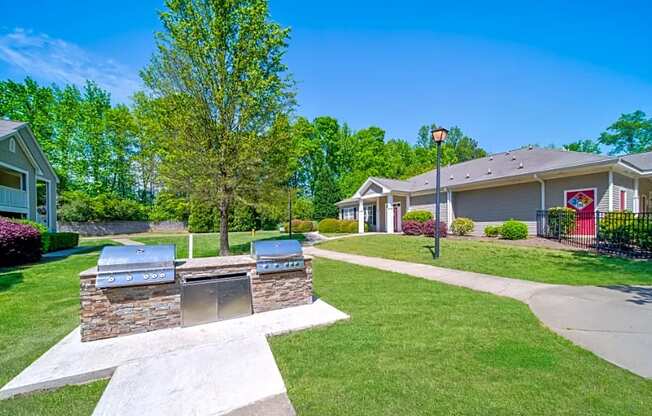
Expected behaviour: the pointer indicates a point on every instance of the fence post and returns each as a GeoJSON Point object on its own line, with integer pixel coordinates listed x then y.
{"type": "Point", "coordinates": [597, 231]}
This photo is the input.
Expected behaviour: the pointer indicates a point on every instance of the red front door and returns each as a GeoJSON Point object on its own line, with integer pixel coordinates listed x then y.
{"type": "Point", "coordinates": [583, 202]}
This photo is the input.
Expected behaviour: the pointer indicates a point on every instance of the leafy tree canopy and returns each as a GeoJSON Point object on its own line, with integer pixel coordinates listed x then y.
{"type": "Point", "coordinates": [631, 133]}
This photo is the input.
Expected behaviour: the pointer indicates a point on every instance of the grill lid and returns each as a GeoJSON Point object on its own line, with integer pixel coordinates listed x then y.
{"type": "Point", "coordinates": [275, 249]}
{"type": "Point", "coordinates": [118, 258]}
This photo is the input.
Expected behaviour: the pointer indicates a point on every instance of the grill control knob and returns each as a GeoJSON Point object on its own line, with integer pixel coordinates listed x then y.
{"type": "Point", "coordinates": [287, 264]}
{"type": "Point", "coordinates": [161, 275]}
{"type": "Point", "coordinates": [130, 278]}
{"type": "Point", "coordinates": [146, 276]}
{"type": "Point", "coordinates": [265, 266]}
{"type": "Point", "coordinates": [276, 265]}
{"type": "Point", "coordinates": [111, 279]}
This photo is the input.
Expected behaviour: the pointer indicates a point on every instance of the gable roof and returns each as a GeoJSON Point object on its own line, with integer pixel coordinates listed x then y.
{"type": "Point", "coordinates": [641, 161]}
{"type": "Point", "coordinates": [10, 128]}
{"type": "Point", "coordinates": [526, 161]}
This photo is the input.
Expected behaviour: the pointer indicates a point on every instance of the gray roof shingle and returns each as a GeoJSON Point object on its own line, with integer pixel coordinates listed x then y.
{"type": "Point", "coordinates": [8, 126]}
{"type": "Point", "coordinates": [642, 161]}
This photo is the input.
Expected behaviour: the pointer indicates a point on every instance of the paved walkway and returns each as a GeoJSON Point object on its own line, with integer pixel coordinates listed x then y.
{"type": "Point", "coordinates": [127, 242]}
{"type": "Point", "coordinates": [615, 322]}
{"type": "Point", "coordinates": [214, 369]}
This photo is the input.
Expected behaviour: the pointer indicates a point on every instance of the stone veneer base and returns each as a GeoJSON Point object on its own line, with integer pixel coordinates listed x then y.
{"type": "Point", "coordinates": [112, 312]}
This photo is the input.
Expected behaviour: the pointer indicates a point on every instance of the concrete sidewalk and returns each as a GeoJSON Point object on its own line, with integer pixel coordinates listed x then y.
{"type": "Point", "coordinates": [211, 369]}
{"type": "Point", "coordinates": [513, 288]}
{"type": "Point", "coordinates": [614, 323]}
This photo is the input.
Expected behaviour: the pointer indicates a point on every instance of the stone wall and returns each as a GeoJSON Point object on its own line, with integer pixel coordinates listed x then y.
{"type": "Point", "coordinates": [107, 313]}
{"type": "Point", "coordinates": [272, 291]}
{"type": "Point", "coordinates": [121, 227]}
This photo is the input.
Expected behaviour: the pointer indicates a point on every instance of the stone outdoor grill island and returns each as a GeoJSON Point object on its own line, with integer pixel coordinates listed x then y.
{"type": "Point", "coordinates": [202, 290]}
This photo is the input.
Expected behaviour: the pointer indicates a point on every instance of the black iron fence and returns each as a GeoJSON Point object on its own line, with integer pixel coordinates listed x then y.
{"type": "Point", "coordinates": [625, 234]}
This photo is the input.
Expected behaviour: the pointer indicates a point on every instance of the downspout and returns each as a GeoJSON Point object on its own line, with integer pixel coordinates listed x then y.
{"type": "Point", "coordinates": [611, 191]}
{"type": "Point", "coordinates": [543, 192]}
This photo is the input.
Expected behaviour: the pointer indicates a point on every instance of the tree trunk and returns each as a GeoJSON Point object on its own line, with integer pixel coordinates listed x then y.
{"type": "Point", "coordinates": [224, 228]}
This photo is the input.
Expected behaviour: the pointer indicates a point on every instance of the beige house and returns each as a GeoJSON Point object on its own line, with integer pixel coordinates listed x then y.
{"type": "Point", "coordinates": [28, 184]}
{"type": "Point", "coordinates": [514, 184]}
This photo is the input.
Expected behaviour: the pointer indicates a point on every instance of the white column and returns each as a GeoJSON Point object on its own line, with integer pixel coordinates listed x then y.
{"type": "Point", "coordinates": [637, 204]}
{"type": "Point", "coordinates": [361, 216]}
{"type": "Point", "coordinates": [610, 194]}
{"type": "Point", "coordinates": [377, 224]}
{"type": "Point", "coordinates": [449, 207]}
{"type": "Point", "coordinates": [389, 218]}
{"type": "Point", "coordinates": [408, 202]}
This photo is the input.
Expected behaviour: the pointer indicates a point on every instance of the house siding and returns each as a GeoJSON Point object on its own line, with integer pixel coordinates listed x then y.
{"type": "Point", "coordinates": [493, 206]}
{"type": "Point", "coordinates": [555, 189]}
{"type": "Point", "coordinates": [623, 183]}
{"type": "Point", "coordinates": [645, 188]}
{"type": "Point", "coordinates": [20, 160]}
{"type": "Point", "coordinates": [427, 203]}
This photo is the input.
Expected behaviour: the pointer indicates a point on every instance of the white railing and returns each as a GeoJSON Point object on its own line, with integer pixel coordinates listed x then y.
{"type": "Point", "coordinates": [12, 197]}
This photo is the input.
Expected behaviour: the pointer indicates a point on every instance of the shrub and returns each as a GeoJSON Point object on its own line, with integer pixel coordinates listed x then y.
{"type": "Point", "coordinates": [18, 243]}
{"type": "Point", "coordinates": [329, 225]}
{"type": "Point", "coordinates": [462, 226]}
{"type": "Point", "coordinates": [492, 230]}
{"type": "Point", "coordinates": [626, 229]}
{"type": "Point", "coordinates": [561, 219]}
{"type": "Point", "coordinates": [59, 241]}
{"type": "Point", "coordinates": [169, 206]}
{"type": "Point", "coordinates": [419, 216]}
{"type": "Point", "coordinates": [412, 227]}
{"type": "Point", "coordinates": [514, 230]}
{"type": "Point", "coordinates": [299, 226]}
{"type": "Point", "coordinates": [429, 228]}
{"type": "Point", "coordinates": [36, 225]}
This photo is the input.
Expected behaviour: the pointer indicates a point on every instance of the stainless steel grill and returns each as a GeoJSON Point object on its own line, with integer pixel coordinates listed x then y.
{"type": "Point", "coordinates": [277, 255]}
{"type": "Point", "coordinates": [135, 265]}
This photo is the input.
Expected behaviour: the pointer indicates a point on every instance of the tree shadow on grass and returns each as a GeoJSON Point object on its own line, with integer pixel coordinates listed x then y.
{"type": "Point", "coordinates": [8, 280]}
{"type": "Point", "coordinates": [641, 295]}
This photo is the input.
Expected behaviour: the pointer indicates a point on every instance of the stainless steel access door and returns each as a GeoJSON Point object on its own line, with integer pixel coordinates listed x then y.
{"type": "Point", "coordinates": [213, 299]}
{"type": "Point", "coordinates": [198, 302]}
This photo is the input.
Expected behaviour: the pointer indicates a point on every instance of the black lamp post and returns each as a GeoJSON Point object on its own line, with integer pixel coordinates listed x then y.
{"type": "Point", "coordinates": [438, 136]}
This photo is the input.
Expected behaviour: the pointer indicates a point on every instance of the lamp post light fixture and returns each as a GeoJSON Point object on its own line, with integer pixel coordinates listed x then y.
{"type": "Point", "coordinates": [438, 136]}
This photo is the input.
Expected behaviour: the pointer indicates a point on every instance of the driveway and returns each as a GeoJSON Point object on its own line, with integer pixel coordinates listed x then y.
{"type": "Point", "coordinates": [614, 322]}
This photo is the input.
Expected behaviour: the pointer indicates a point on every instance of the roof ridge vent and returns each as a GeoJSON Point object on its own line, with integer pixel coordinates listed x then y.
{"type": "Point", "coordinates": [520, 165]}
{"type": "Point", "coordinates": [489, 171]}
{"type": "Point", "coordinates": [468, 176]}
{"type": "Point", "coordinates": [451, 178]}
{"type": "Point", "coordinates": [530, 147]}
{"type": "Point", "coordinates": [491, 158]}
{"type": "Point", "coordinates": [513, 157]}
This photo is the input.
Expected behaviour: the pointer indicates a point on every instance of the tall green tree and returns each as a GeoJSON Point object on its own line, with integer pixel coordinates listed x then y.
{"type": "Point", "coordinates": [220, 67]}
{"type": "Point", "coordinates": [631, 133]}
{"type": "Point", "coordinates": [586, 146]}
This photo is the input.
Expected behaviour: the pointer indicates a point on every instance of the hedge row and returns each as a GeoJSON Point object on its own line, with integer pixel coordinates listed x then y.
{"type": "Point", "coordinates": [420, 216]}
{"type": "Point", "coordinates": [333, 225]}
{"type": "Point", "coordinates": [59, 241]}
{"type": "Point", "coordinates": [299, 226]}
{"type": "Point", "coordinates": [19, 243]}
{"type": "Point", "coordinates": [52, 241]}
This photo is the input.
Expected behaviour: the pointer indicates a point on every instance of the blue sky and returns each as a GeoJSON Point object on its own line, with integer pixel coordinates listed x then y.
{"type": "Point", "coordinates": [508, 73]}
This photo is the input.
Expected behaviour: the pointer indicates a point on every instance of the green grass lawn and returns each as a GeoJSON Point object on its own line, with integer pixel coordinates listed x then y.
{"type": "Point", "coordinates": [39, 305]}
{"type": "Point", "coordinates": [414, 347]}
{"type": "Point", "coordinates": [537, 264]}
{"type": "Point", "coordinates": [207, 245]}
